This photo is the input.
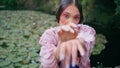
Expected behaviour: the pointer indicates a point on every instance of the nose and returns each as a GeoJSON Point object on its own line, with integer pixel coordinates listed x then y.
{"type": "Point", "coordinates": [71, 20]}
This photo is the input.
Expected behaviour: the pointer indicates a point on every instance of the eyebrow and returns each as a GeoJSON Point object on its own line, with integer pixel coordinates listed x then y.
{"type": "Point", "coordinates": [66, 13]}
{"type": "Point", "coordinates": [77, 15]}
{"type": "Point", "coordinates": [70, 14]}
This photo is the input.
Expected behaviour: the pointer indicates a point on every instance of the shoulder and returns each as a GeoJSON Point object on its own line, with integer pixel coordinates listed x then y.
{"type": "Point", "coordinates": [49, 36]}
{"type": "Point", "coordinates": [50, 32]}
{"type": "Point", "coordinates": [87, 28]}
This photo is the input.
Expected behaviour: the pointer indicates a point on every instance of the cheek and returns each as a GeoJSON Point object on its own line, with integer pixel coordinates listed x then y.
{"type": "Point", "coordinates": [63, 21]}
{"type": "Point", "coordinates": [77, 22]}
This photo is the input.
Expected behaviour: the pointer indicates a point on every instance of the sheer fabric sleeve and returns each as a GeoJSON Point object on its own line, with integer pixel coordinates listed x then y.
{"type": "Point", "coordinates": [87, 33]}
{"type": "Point", "coordinates": [48, 45]}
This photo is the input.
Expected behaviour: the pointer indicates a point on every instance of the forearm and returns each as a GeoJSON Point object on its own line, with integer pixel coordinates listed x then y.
{"type": "Point", "coordinates": [47, 57]}
{"type": "Point", "coordinates": [57, 52]}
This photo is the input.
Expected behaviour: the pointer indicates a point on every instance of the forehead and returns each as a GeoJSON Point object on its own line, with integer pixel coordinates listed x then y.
{"type": "Point", "coordinates": [72, 9]}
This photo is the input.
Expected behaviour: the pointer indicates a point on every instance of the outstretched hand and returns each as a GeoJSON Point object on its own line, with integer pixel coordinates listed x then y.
{"type": "Point", "coordinates": [69, 45]}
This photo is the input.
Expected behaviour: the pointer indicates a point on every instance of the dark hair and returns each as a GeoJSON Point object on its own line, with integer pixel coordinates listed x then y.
{"type": "Point", "coordinates": [64, 4]}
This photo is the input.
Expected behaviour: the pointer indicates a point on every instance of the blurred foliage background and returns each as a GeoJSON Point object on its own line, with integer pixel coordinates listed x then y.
{"type": "Point", "coordinates": [22, 22]}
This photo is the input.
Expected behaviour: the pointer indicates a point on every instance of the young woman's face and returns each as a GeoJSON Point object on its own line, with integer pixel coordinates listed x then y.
{"type": "Point", "coordinates": [70, 15]}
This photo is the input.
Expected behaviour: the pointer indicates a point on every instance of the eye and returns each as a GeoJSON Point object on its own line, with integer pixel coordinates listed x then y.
{"type": "Point", "coordinates": [66, 16]}
{"type": "Point", "coordinates": [77, 18]}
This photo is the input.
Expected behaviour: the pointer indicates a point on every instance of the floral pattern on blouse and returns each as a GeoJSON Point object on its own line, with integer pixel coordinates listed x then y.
{"type": "Point", "coordinates": [49, 41]}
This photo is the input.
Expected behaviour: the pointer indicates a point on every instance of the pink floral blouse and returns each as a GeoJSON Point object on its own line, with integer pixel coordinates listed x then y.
{"type": "Point", "coordinates": [49, 41]}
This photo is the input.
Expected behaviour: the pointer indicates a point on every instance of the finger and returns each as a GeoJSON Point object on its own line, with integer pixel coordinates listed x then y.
{"type": "Point", "coordinates": [81, 49]}
{"type": "Point", "coordinates": [70, 29]}
{"type": "Point", "coordinates": [68, 54]}
{"type": "Point", "coordinates": [67, 28]}
{"type": "Point", "coordinates": [73, 25]}
{"type": "Point", "coordinates": [64, 28]}
{"type": "Point", "coordinates": [62, 52]}
{"type": "Point", "coordinates": [81, 41]}
{"type": "Point", "coordinates": [74, 54]}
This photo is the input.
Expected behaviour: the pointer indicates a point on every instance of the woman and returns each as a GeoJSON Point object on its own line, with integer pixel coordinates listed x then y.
{"type": "Point", "coordinates": [70, 44]}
